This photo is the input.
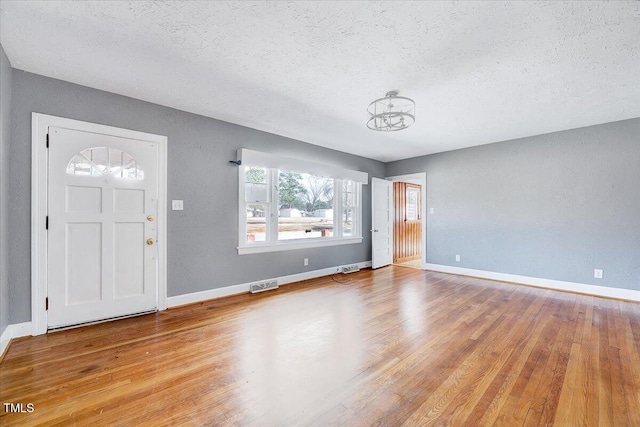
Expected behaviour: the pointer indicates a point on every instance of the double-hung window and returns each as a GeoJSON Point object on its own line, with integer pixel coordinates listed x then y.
{"type": "Point", "coordinates": [293, 204]}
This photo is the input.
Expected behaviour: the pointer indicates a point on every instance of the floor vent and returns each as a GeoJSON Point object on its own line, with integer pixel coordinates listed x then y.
{"type": "Point", "coordinates": [263, 286]}
{"type": "Point", "coordinates": [350, 268]}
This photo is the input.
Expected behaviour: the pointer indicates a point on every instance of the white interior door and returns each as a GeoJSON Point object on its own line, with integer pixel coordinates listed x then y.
{"type": "Point", "coordinates": [382, 222]}
{"type": "Point", "coordinates": [102, 212]}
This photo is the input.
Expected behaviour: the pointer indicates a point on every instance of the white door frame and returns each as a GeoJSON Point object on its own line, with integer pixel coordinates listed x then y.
{"type": "Point", "coordinates": [40, 124]}
{"type": "Point", "coordinates": [422, 177]}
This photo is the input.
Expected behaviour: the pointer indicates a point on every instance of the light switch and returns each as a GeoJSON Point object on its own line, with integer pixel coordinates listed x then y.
{"type": "Point", "coordinates": [431, 210]}
{"type": "Point", "coordinates": [177, 205]}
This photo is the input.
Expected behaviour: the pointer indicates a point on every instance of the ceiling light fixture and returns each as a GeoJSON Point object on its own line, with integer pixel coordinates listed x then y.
{"type": "Point", "coordinates": [391, 113]}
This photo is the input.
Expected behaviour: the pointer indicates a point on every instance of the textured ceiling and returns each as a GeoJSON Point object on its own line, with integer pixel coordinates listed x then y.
{"type": "Point", "coordinates": [480, 72]}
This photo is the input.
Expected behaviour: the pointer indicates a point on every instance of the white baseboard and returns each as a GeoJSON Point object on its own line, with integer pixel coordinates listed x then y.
{"type": "Point", "coordinates": [19, 330]}
{"type": "Point", "coordinates": [14, 331]}
{"type": "Point", "coordinates": [601, 291]}
{"type": "Point", "coordinates": [5, 338]}
{"type": "Point", "coordinates": [244, 287]}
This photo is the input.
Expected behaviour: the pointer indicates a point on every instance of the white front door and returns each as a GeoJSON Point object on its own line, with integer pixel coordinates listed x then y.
{"type": "Point", "coordinates": [102, 213]}
{"type": "Point", "coordinates": [382, 222]}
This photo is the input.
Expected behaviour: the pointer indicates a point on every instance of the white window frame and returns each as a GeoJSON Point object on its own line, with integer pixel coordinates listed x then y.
{"type": "Point", "coordinates": [272, 244]}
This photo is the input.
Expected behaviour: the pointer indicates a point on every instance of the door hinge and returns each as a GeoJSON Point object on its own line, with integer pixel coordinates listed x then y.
{"type": "Point", "coordinates": [47, 140]}
{"type": "Point", "coordinates": [46, 303]}
{"type": "Point", "coordinates": [46, 223]}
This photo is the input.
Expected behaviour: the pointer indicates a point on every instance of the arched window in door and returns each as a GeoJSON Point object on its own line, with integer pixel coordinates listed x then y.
{"type": "Point", "coordinates": [105, 161]}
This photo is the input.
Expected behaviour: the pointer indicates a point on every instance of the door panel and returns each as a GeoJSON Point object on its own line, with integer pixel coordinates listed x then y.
{"type": "Point", "coordinates": [84, 199]}
{"type": "Point", "coordinates": [381, 234]}
{"type": "Point", "coordinates": [102, 209]}
{"type": "Point", "coordinates": [128, 261]}
{"type": "Point", "coordinates": [83, 263]}
{"type": "Point", "coordinates": [128, 201]}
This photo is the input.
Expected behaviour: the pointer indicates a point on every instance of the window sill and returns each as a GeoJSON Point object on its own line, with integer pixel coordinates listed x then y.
{"type": "Point", "coordinates": [289, 246]}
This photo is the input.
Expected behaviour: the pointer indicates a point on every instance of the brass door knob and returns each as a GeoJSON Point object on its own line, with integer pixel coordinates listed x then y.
{"type": "Point", "coordinates": [149, 242]}
{"type": "Point", "coordinates": [149, 217]}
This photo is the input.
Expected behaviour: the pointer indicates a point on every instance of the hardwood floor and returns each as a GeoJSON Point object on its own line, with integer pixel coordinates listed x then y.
{"type": "Point", "coordinates": [391, 347]}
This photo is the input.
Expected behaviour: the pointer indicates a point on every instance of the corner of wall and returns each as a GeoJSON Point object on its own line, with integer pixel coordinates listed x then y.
{"type": "Point", "coordinates": [5, 120]}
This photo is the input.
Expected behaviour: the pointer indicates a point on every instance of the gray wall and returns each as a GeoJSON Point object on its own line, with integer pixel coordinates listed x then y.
{"type": "Point", "coordinates": [552, 206]}
{"type": "Point", "coordinates": [203, 238]}
{"type": "Point", "coordinates": [5, 121]}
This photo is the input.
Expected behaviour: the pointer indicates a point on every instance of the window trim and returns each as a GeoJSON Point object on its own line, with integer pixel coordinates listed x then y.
{"type": "Point", "coordinates": [272, 244]}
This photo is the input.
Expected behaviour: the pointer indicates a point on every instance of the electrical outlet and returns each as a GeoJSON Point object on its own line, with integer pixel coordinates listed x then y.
{"type": "Point", "coordinates": [306, 261]}
{"type": "Point", "coordinates": [177, 205]}
{"type": "Point", "coordinates": [457, 258]}
{"type": "Point", "coordinates": [598, 274]}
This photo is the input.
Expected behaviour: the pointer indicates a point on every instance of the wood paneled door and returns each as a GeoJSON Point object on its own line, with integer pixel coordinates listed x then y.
{"type": "Point", "coordinates": [407, 225]}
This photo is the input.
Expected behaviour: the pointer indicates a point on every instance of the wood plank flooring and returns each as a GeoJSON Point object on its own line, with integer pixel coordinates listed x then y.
{"type": "Point", "coordinates": [391, 347]}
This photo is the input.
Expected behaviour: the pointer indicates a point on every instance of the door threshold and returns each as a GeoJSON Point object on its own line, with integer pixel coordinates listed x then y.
{"type": "Point", "coordinates": [415, 264]}
{"type": "Point", "coordinates": [95, 322]}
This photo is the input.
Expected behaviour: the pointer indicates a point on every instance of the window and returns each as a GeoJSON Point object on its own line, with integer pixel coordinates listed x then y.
{"type": "Point", "coordinates": [296, 205]}
{"type": "Point", "coordinates": [257, 203]}
{"type": "Point", "coordinates": [305, 206]}
{"type": "Point", "coordinates": [99, 161]}
{"type": "Point", "coordinates": [412, 207]}
{"type": "Point", "coordinates": [350, 207]}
